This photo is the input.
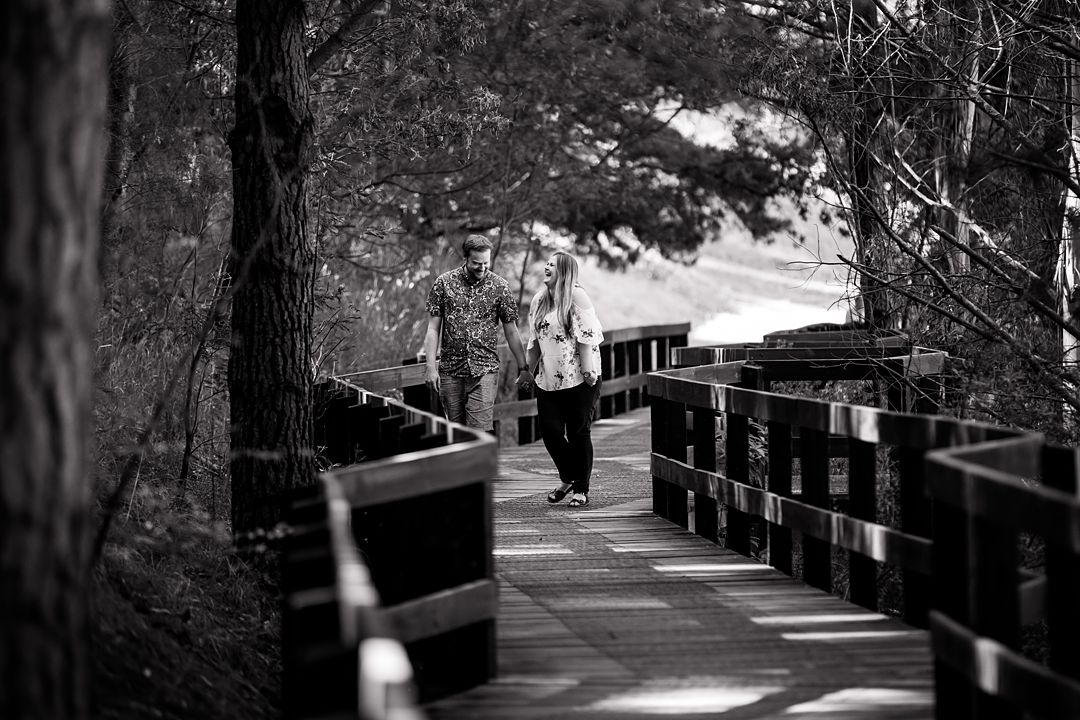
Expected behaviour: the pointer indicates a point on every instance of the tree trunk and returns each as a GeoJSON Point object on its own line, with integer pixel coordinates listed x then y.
{"type": "Point", "coordinates": [121, 117]}
{"type": "Point", "coordinates": [1068, 280]}
{"type": "Point", "coordinates": [869, 246]}
{"type": "Point", "coordinates": [53, 68]}
{"type": "Point", "coordinates": [870, 253]}
{"type": "Point", "coordinates": [269, 376]}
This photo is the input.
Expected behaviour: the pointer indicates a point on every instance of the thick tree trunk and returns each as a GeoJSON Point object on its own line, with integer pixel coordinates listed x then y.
{"type": "Point", "coordinates": [269, 375]}
{"type": "Point", "coordinates": [52, 91]}
{"type": "Point", "coordinates": [871, 255]}
{"type": "Point", "coordinates": [1068, 280]}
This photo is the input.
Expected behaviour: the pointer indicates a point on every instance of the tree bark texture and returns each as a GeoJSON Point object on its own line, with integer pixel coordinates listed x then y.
{"type": "Point", "coordinates": [120, 118]}
{"type": "Point", "coordinates": [1068, 266]}
{"type": "Point", "coordinates": [269, 366]}
{"type": "Point", "coordinates": [53, 85]}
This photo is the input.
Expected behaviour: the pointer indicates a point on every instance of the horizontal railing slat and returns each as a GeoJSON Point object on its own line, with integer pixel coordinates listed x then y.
{"type": "Point", "coordinates": [998, 671]}
{"type": "Point", "coordinates": [443, 611]}
{"type": "Point", "coordinates": [415, 474]}
{"type": "Point", "coordinates": [881, 543]}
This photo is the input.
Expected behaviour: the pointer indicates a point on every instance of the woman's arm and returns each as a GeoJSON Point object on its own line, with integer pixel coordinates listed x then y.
{"type": "Point", "coordinates": [581, 298]}
{"type": "Point", "coordinates": [586, 351]}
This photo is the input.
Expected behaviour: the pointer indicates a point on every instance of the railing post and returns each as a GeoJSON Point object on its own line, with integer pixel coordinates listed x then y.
{"type": "Point", "coordinates": [657, 416]}
{"type": "Point", "coordinates": [526, 426]}
{"type": "Point", "coordinates": [814, 473]}
{"type": "Point", "coordinates": [915, 507]}
{"type": "Point", "coordinates": [677, 496]}
{"type": "Point", "coordinates": [706, 509]}
{"type": "Point", "coordinates": [780, 484]}
{"type": "Point", "coordinates": [737, 467]}
{"type": "Point", "coordinates": [915, 519]}
{"type": "Point", "coordinates": [953, 694]}
{"type": "Point", "coordinates": [862, 503]}
{"type": "Point", "coordinates": [620, 368]}
{"type": "Point", "coordinates": [737, 450]}
{"type": "Point", "coordinates": [633, 356]}
{"type": "Point", "coordinates": [994, 600]}
{"type": "Point", "coordinates": [1060, 471]}
{"type": "Point", "coordinates": [607, 372]}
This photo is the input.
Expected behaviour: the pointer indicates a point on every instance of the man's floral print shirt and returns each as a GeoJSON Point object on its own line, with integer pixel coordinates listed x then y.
{"type": "Point", "coordinates": [472, 313]}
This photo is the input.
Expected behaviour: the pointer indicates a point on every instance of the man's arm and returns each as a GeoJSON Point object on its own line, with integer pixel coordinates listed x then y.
{"type": "Point", "coordinates": [513, 340]}
{"type": "Point", "coordinates": [431, 349]}
{"type": "Point", "coordinates": [532, 356]}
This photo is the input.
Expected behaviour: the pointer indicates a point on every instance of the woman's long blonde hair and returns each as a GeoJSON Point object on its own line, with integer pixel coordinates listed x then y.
{"type": "Point", "coordinates": [560, 297]}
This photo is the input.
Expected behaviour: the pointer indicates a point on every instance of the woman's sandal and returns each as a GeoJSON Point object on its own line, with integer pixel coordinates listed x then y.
{"type": "Point", "coordinates": [579, 500]}
{"type": "Point", "coordinates": [558, 494]}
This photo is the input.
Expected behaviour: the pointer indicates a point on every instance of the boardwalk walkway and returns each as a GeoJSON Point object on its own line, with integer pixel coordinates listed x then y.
{"type": "Point", "coordinates": [608, 612]}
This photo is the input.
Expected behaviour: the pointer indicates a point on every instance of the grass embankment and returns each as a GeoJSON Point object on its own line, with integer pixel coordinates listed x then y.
{"type": "Point", "coordinates": [182, 627]}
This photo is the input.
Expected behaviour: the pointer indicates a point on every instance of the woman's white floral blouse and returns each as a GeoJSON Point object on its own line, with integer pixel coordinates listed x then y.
{"type": "Point", "coordinates": [560, 364]}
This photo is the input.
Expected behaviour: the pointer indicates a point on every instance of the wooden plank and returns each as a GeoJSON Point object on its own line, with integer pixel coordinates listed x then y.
{"type": "Point", "coordinates": [779, 485]}
{"type": "Point", "coordinates": [1004, 497]}
{"type": "Point", "coordinates": [385, 379]}
{"type": "Point", "coordinates": [814, 470]}
{"type": "Point", "coordinates": [706, 510]}
{"type": "Point", "coordinates": [645, 332]}
{"type": "Point", "coordinates": [737, 468]}
{"type": "Point", "coordinates": [1059, 472]}
{"type": "Point", "coordinates": [417, 473]}
{"type": "Point", "coordinates": [995, 669]}
{"type": "Point", "coordinates": [862, 494]}
{"type": "Point", "coordinates": [995, 612]}
{"type": "Point", "coordinates": [710, 387]}
{"type": "Point", "coordinates": [659, 443]}
{"type": "Point", "coordinates": [674, 420]}
{"type": "Point", "coordinates": [954, 694]}
{"type": "Point", "coordinates": [443, 611]}
{"type": "Point", "coordinates": [915, 519]}
{"type": "Point", "coordinates": [882, 543]}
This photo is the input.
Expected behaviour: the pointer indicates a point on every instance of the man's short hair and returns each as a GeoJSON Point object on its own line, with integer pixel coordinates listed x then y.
{"type": "Point", "coordinates": [475, 243]}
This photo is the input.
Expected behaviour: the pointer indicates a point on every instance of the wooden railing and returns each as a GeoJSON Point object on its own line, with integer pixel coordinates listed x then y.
{"type": "Point", "coordinates": [628, 355]}
{"type": "Point", "coordinates": [387, 571]}
{"type": "Point", "coordinates": [966, 491]}
{"type": "Point", "coordinates": [340, 656]}
{"type": "Point", "coordinates": [393, 549]}
{"type": "Point", "coordinates": [986, 495]}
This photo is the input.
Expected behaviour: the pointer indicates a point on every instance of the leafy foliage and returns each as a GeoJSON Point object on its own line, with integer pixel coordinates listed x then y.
{"type": "Point", "coordinates": [944, 130]}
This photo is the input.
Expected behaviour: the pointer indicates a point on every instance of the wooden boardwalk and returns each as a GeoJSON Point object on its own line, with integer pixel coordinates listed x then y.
{"type": "Point", "coordinates": [609, 612]}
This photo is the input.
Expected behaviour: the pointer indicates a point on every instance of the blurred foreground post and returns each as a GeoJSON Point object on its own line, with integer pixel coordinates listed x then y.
{"type": "Point", "coordinates": [53, 88]}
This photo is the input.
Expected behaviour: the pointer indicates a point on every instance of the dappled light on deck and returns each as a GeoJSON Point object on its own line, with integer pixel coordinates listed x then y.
{"type": "Point", "coordinates": [612, 612]}
{"type": "Point", "coordinates": [862, 702]}
{"type": "Point", "coordinates": [683, 701]}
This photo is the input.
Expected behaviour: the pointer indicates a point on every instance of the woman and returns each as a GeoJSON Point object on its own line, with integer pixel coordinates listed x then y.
{"type": "Point", "coordinates": [565, 339]}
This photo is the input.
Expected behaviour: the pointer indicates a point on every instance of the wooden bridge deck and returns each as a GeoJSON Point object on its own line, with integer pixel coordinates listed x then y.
{"type": "Point", "coordinates": [609, 612]}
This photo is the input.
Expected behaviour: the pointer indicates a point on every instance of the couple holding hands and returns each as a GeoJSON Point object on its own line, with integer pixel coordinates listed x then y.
{"type": "Point", "coordinates": [562, 358]}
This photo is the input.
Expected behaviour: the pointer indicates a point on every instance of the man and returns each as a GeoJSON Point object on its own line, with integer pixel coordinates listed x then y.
{"type": "Point", "coordinates": [467, 305]}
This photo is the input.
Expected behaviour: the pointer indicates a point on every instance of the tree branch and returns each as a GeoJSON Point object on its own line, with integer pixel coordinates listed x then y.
{"type": "Point", "coordinates": [337, 40]}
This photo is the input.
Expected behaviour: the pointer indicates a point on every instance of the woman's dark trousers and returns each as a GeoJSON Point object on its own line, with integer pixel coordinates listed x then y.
{"type": "Point", "coordinates": [566, 418]}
